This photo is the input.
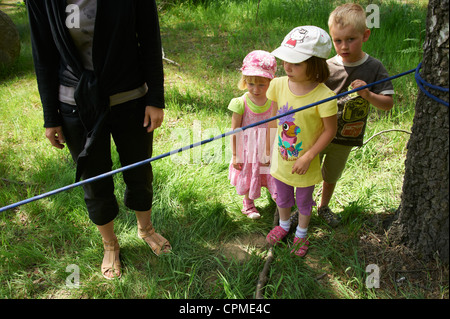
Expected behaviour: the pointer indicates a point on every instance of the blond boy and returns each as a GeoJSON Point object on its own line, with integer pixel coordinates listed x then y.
{"type": "Point", "coordinates": [350, 68]}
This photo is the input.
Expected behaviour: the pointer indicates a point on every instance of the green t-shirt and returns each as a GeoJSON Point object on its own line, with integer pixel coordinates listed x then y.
{"type": "Point", "coordinates": [237, 105]}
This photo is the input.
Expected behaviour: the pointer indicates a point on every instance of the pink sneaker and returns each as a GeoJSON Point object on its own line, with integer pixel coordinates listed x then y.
{"type": "Point", "coordinates": [300, 247]}
{"type": "Point", "coordinates": [250, 209]}
{"type": "Point", "coordinates": [276, 235]}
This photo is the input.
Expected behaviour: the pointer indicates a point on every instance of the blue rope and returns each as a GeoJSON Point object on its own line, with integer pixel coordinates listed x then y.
{"type": "Point", "coordinates": [421, 83]}
{"type": "Point", "coordinates": [147, 161]}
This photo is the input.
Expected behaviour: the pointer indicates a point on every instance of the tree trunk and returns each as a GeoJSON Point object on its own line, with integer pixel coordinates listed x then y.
{"type": "Point", "coordinates": [421, 221]}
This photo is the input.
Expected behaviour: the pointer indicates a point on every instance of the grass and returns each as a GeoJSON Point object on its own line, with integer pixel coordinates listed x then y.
{"type": "Point", "coordinates": [218, 253]}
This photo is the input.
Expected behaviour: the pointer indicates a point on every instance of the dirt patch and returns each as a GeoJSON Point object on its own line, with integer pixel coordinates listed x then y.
{"type": "Point", "coordinates": [242, 247]}
{"type": "Point", "coordinates": [402, 275]}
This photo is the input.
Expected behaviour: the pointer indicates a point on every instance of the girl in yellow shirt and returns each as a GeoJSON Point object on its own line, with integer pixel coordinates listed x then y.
{"type": "Point", "coordinates": [301, 136]}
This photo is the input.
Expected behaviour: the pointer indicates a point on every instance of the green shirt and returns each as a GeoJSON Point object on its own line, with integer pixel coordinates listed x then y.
{"type": "Point", "coordinates": [237, 105]}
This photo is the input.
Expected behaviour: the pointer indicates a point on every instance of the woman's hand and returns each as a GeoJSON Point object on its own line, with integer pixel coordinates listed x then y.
{"type": "Point", "coordinates": [55, 136]}
{"type": "Point", "coordinates": [154, 116]}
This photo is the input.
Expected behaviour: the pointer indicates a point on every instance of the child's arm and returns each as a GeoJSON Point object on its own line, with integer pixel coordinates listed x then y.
{"type": "Point", "coordinates": [301, 165]}
{"type": "Point", "coordinates": [236, 122]}
{"type": "Point", "coordinates": [383, 102]}
{"type": "Point", "coordinates": [270, 126]}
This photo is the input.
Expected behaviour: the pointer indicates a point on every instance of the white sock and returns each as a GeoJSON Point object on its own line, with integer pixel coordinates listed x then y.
{"type": "Point", "coordinates": [285, 224]}
{"type": "Point", "coordinates": [301, 232]}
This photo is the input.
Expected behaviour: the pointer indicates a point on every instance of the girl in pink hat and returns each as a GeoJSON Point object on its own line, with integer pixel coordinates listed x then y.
{"type": "Point", "coordinates": [249, 168]}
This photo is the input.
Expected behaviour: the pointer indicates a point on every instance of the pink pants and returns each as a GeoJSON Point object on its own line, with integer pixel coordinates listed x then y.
{"type": "Point", "coordinates": [303, 195]}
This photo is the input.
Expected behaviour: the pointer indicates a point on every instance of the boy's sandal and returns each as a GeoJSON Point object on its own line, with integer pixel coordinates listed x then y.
{"type": "Point", "coordinates": [250, 209]}
{"type": "Point", "coordinates": [276, 235]}
{"type": "Point", "coordinates": [157, 243]}
{"type": "Point", "coordinates": [111, 261]}
{"type": "Point", "coordinates": [300, 247]}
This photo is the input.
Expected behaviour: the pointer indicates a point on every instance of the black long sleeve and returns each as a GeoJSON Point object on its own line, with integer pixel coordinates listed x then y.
{"type": "Point", "coordinates": [126, 50]}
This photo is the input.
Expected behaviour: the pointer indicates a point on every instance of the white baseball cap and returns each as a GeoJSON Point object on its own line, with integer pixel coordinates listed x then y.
{"type": "Point", "coordinates": [302, 43]}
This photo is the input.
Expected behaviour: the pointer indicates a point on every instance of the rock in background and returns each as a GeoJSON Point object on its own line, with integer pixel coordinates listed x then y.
{"type": "Point", "coordinates": [9, 40]}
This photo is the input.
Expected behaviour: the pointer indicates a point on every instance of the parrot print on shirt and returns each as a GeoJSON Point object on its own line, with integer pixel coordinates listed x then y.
{"type": "Point", "coordinates": [287, 140]}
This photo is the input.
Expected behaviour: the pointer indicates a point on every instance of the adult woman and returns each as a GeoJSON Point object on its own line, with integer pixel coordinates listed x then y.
{"type": "Point", "coordinates": [99, 71]}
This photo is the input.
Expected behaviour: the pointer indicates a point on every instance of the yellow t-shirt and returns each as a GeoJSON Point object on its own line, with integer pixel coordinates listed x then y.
{"type": "Point", "coordinates": [298, 132]}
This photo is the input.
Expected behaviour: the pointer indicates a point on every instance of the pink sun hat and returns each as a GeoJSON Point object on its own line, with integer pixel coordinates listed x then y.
{"type": "Point", "coordinates": [259, 63]}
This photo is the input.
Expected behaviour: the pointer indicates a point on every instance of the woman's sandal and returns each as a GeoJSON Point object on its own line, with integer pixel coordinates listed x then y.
{"type": "Point", "coordinates": [111, 261]}
{"type": "Point", "coordinates": [157, 243]}
{"type": "Point", "coordinates": [250, 209]}
{"type": "Point", "coordinates": [276, 235]}
{"type": "Point", "coordinates": [300, 247]}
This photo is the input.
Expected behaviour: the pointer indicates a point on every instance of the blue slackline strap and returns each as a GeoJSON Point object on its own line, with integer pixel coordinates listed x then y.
{"type": "Point", "coordinates": [98, 177]}
{"type": "Point", "coordinates": [421, 83]}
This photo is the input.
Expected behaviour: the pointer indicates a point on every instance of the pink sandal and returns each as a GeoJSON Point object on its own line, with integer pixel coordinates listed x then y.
{"type": "Point", "coordinates": [300, 247]}
{"type": "Point", "coordinates": [250, 209]}
{"type": "Point", "coordinates": [276, 235]}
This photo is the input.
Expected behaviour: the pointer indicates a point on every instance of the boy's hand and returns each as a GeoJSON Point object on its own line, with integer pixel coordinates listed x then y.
{"type": "Point", "coordinates": [153, 116]}
{"type": "Point", "coordinates": [380, 101]}
{"type": "Point", "coordinates": [363, 93]}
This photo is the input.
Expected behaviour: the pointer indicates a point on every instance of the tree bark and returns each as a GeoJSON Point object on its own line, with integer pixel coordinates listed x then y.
{"type": "Point", "coordinates": [421, 221]}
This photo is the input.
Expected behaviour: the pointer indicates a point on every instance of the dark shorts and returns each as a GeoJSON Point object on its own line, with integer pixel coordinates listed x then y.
{"type": "Point", "coordinates": [125, 124]}
{"type": "Point", "coordinates": [333, 159]}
